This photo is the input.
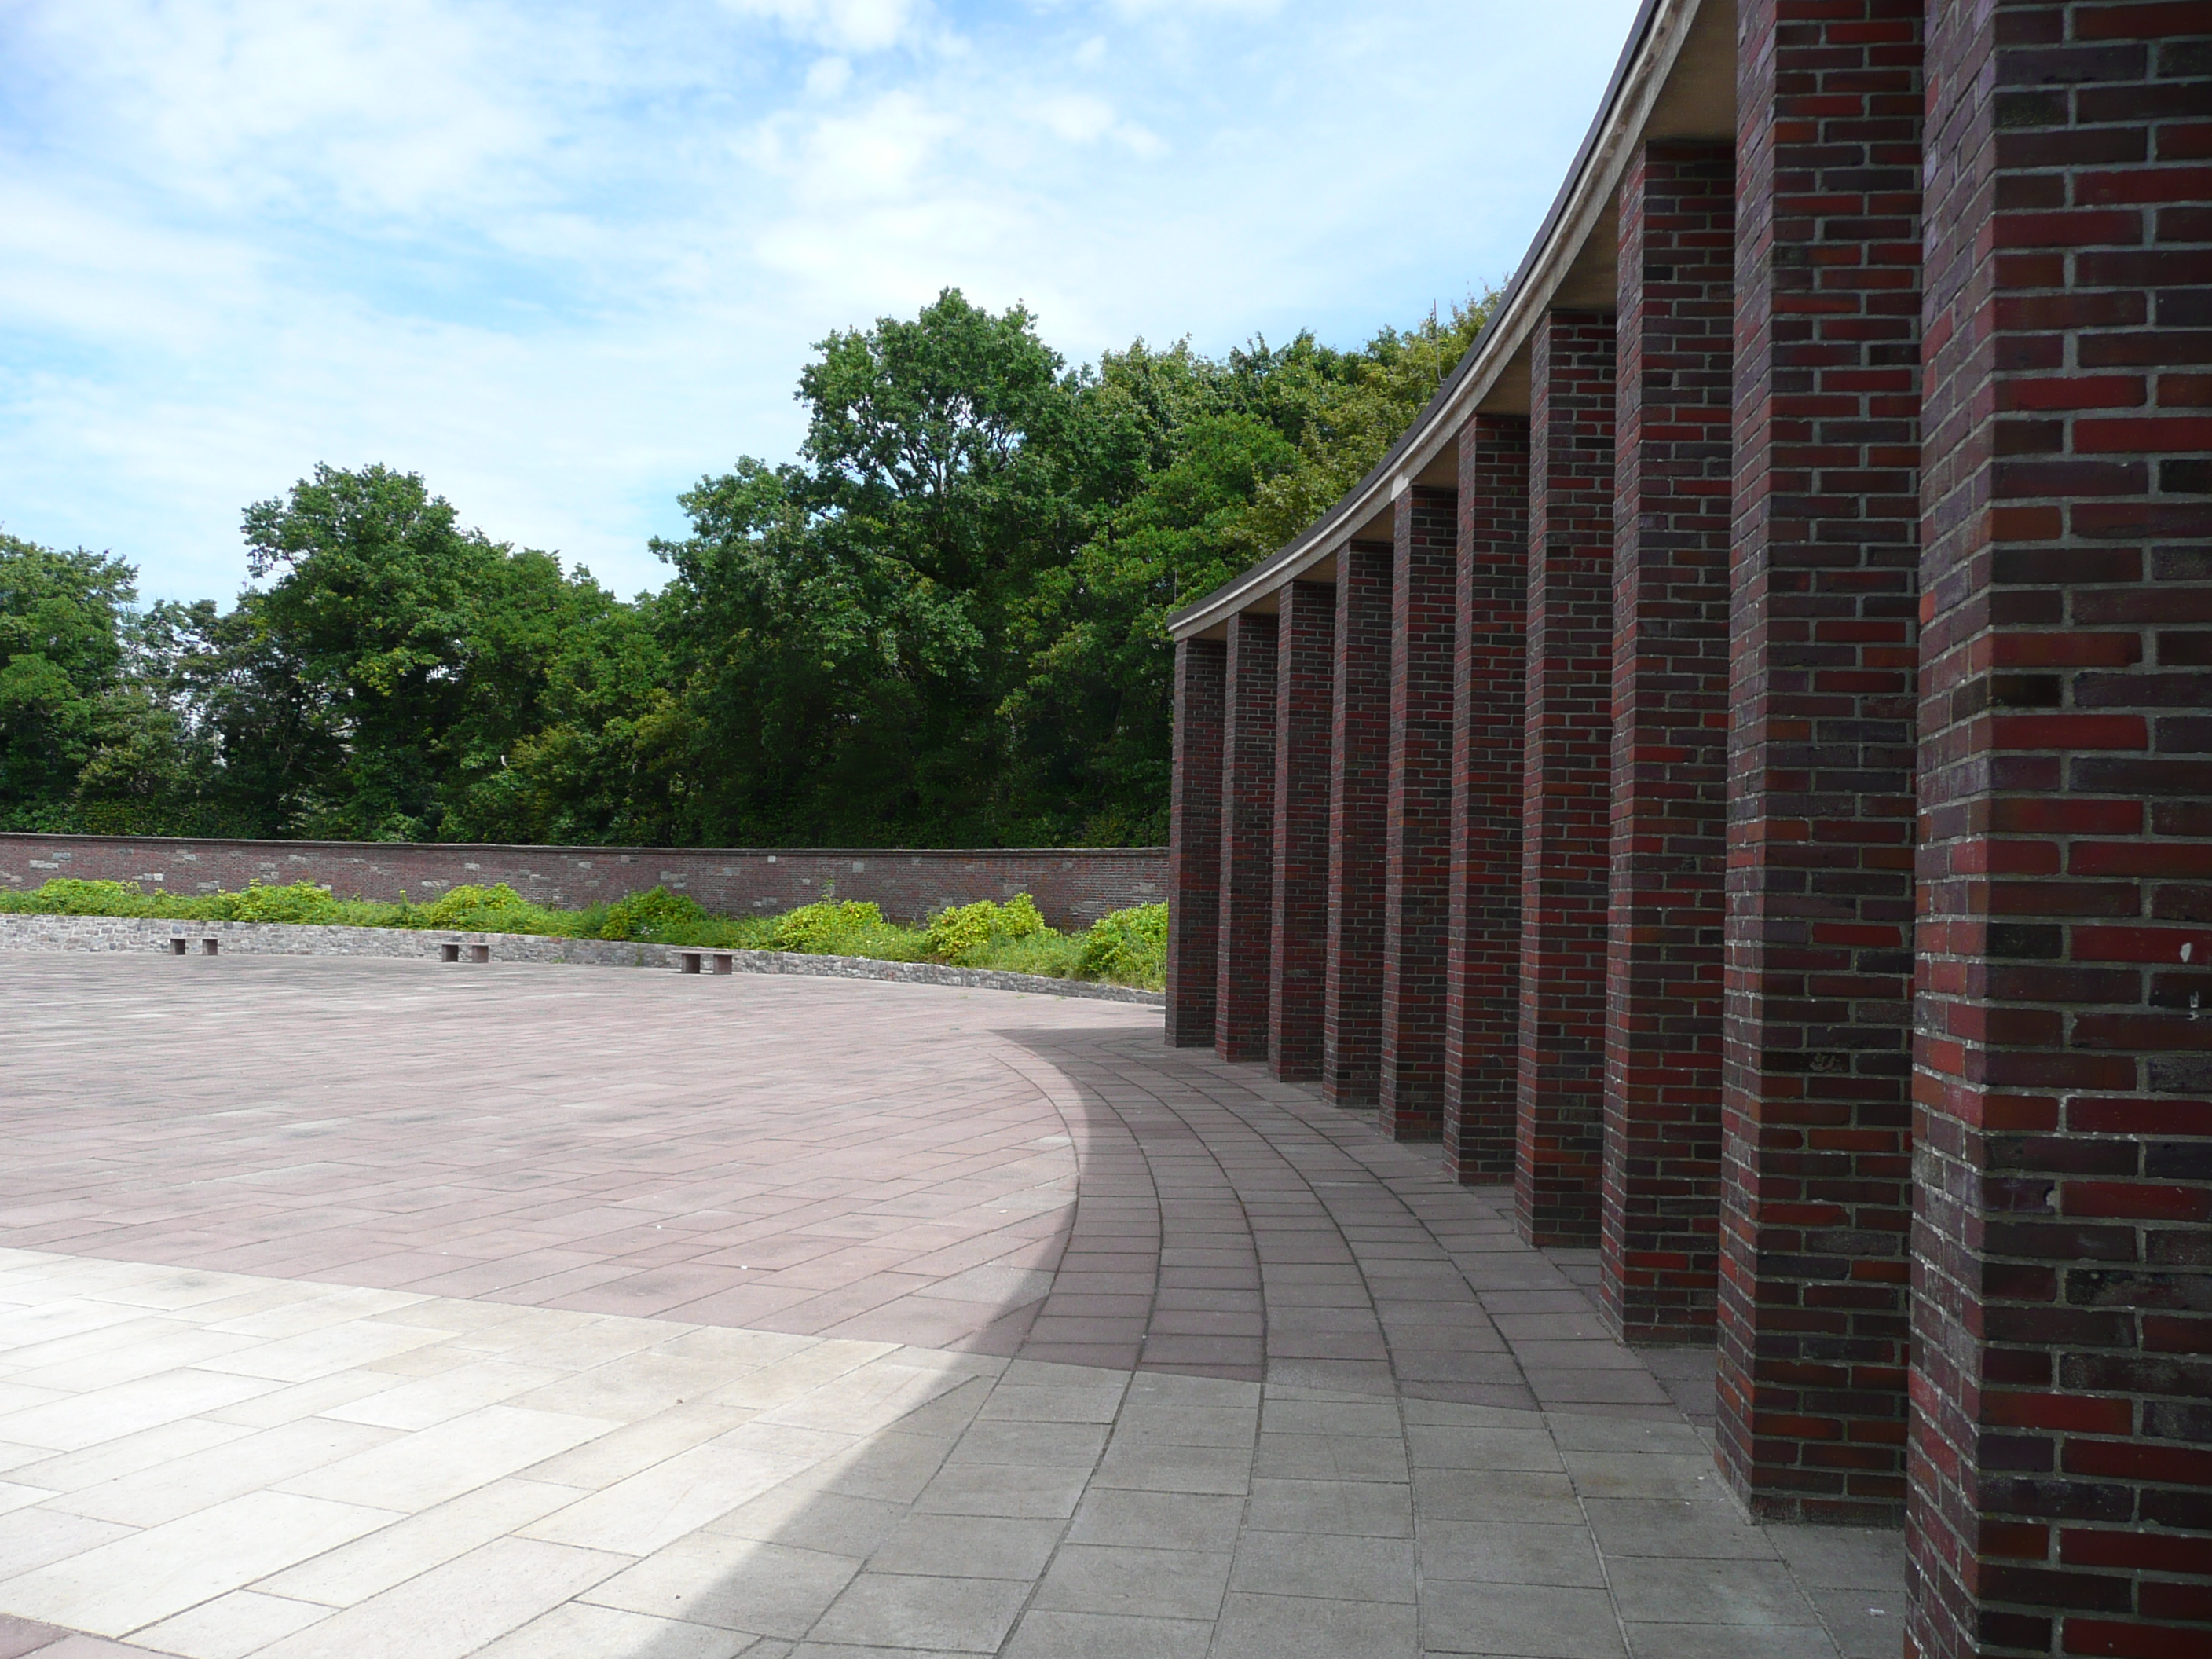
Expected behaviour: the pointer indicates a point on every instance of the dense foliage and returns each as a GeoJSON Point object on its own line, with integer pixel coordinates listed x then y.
{"type": "Point", "coordinates": [1129, 947]}
{"type": "Point", "coordinates": [940, 625]}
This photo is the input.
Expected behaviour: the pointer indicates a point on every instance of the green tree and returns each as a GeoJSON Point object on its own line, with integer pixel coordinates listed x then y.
{"type": "Point", "coordinates": [846, 630]}
{"type": "Point", "coordinates": [91, 737]}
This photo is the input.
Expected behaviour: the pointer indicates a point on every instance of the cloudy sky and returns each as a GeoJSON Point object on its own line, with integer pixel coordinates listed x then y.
{"type": "Point", "coordinates": [563, 257]}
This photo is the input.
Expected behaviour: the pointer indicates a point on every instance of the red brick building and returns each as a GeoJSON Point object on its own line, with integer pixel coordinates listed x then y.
{"type": "Point", "coordinates": [1740, 771]}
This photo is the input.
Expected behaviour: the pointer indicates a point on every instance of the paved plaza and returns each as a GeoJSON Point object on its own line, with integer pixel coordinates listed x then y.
{"type": "Point", "coordinates": [354, 1309]}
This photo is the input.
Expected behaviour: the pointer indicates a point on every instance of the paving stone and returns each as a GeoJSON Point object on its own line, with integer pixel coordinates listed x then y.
{"type": "Point", "coordinates": [969, 1546]}
{"type": "Point", "coordinates": [1337, 1568]}
{"type": "Point", "coordinates": [1161, 1520]}
{"type": "Point", "coordinates": [1351, 1508]}
{"type": "Point", "coordinates": [874, 1349]}
{"type": "Point", "coordinates": [970, 1615]}
{"type": "Point", "coordinates": [1045, 1634]}
{"type": "Point", "coordinates": [1527, 1621]}
{"type": "Point", "coordinates": [1297, 1627]}
{"type": "Point", "coordinates": [1169, 1583]}
{"type": "Point", "coordinates": [1509, 1553]}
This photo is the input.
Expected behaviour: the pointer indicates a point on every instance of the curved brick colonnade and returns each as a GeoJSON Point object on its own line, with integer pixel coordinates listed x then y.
{"type": "Point", "coordinates": [1736, 773]}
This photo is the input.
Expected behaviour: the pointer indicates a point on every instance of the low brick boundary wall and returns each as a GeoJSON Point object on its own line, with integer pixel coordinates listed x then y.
{"type": "Point", "coordinates": [1072, 886]}
{"type": "Point", "coordinates": [142, 935]}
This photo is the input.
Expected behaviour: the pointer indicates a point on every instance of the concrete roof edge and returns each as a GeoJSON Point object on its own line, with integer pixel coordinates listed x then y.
{"type": "Point", "coordinates": [1656, 35]}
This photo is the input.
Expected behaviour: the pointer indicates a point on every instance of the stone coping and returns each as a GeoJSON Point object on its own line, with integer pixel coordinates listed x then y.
{"type": "Point", "coordinates": [49, 932]}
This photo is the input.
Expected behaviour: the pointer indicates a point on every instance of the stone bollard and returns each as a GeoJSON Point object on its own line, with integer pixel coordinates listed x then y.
{"type": "Point", "coordinates": [208, 947]}
{"type": "Point", "coordinates": [687, 961]}
{"type": "Point", "coordinates": [480, 953]}
{"type": "Point", "coordinates": [178, 946]}
{"type": "Point", "coordinates": [724, 963]}
{"type": "Point", "coordinates": [449, 953]}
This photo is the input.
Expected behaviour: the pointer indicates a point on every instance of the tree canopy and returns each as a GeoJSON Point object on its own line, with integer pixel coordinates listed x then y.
{"type": "Point", "coordinates": [941, 624]}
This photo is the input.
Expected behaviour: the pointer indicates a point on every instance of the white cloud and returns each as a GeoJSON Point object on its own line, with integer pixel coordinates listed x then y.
{"type": "Point", "coordinates": [562, 257]}
{"type": "Point", "coordinates": [856, 26]}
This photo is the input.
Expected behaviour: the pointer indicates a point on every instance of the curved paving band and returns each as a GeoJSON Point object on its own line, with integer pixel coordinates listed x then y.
{"type": "Point", "coordinates": [1813, 541]}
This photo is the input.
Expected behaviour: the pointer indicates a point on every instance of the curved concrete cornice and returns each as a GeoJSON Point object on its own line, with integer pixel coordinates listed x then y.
{"type": "Point", "coordinates": [1676, 78]}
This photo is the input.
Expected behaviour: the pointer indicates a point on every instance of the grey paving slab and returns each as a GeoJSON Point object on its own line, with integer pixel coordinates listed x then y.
{"type": "Point", "coordinates": [1117, 1578]}
{"type": "Point", "coordinates": [1299, 1627]}
{"type": "Point", "coordinates": [1331, 1566]}
{"type": "Point", "coordinates": [1510, 1553]}
{"type": "Point", "coordinates": [1045, 1633]}
{"type": "Point", "coordinates": [1352, 1509]}
{"type": "Point", "coordinates": [1526, 1621]}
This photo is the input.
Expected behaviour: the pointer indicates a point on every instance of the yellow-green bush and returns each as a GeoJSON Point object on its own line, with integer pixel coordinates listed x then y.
{"type": "Point", "coordinates": [649, 914]}
{"type": "Point", "coordinates": [828, 928]}
{"type": "Point", "coordinates": [1129, 947]}
{"type": "Point", "coordinates": [959, 933]}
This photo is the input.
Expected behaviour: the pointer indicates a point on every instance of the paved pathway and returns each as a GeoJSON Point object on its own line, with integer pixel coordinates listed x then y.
{"type": "Point", "coordinates": [355, 1308]}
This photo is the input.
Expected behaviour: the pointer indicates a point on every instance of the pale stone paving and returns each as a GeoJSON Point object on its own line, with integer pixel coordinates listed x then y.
{"type": "Point", "coordinates": [1167, 1359]}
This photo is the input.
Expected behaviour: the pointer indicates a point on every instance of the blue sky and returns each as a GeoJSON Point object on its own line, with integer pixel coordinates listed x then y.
{"type": "Point", "coordinates": [563, 258]}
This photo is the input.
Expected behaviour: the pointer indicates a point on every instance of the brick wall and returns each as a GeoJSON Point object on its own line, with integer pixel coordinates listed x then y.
{"type": "Point", "coordinates": [1662, 1074]}
{"type": "Point", "coordinates": [1194, 843]}
{"type": "Point", "coordinates": [1815, 1037]}
{"type": "Point", "coordinates": [1416, 896]}
{"type": "Point", "coordinates": [1298, 942]}
{"type": "Point", "coordinates": [1565, 769]}
{"type": "Point", "coordinates": [1248, 839]}
{"type": "Point", "coordinates": [1358, 801]}
{"type": "Point", "coordinates": [1482, 1002]}
{"type": "Point", "coordinates": [2061, 1497]}
{"type": "Point", "coordinates": [1073, 887]}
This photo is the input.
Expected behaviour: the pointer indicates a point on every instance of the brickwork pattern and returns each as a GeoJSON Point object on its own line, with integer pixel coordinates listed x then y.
{"type": "Point", "coordinates": [1660, 1262]}
{"type": "Point", "coordinates": [1566, 768]}
{"type": "Point", "coordinates": [1417, 893]}
{"type": "Point", "coordinates": [1073, 887]}
{"type": "Point", "coordinates": [1194, 841]}
{"type": "Point", "coordinates": [1248, 839]}
{"type": "Point", "coordinates": [1359, 803]}
{"type": "Point", "coordinates": [1297, 963]}
{"type": "Point", "coordinates": [2061, 1496]}
{"type": "Point", "coordinates": [1815, 1037]}
{"type": "Point", "coordinates": [1482, 999]}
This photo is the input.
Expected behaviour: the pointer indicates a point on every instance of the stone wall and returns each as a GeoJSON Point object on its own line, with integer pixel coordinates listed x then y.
{"type": "Point", "coordinates": [1073, 887]}
{"type": "Point", "coordinates": [143, 936]}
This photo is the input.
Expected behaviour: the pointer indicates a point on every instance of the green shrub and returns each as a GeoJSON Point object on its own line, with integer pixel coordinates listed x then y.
{"type": "Point", "coordinates": [66, 896]}
{"type": "Point", "coordinates": [300, 902]}
{"type": "Point", "coordinates": [649, 914]}
{"type": "Point", "coordinates": [1129, 947]}
{"type": "Point", "coordinates": [830, 927]}
{"type": "Point", "coordinates": [475, 909]}
{"type": "Point", "coordinates": [961, 933]}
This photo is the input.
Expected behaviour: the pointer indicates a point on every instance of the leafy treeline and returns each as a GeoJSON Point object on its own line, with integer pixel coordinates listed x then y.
{"type": "Point", "coordinates": [940, 625]}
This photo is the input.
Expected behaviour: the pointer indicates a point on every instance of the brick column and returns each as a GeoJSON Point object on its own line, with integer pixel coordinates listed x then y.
{"type": "Point", "coordinates": [1298, 964]}
{"type": "Point", "coordinates": [1248, 839]}
{"type": "Point", "coordinates": [1416, 898]}
{"type": "Point", "coordinates": [1194, 843]}
{"type": "Point", "coordinates": [1482, 1004]}
{"type": "Point", "coordinates": [1566, 766]}
{"type": "Point", "coordinates": [1816, 1052]}
{"type": "Point", "coordinates": [2061, 1487]}
{"type": "Point", "coordinates": [1358, 801]}
{"type": "Point", "coordinates": [1660, 1253]}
